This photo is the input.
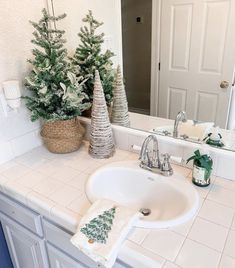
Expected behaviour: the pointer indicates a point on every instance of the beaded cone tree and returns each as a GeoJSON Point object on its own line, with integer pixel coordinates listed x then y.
{"type": "Point", "coordinates": [120, 115]}
{"type": "Point", "coordinates": [98, 228]}
{"type": "Point", "coordinates": [101, 137]}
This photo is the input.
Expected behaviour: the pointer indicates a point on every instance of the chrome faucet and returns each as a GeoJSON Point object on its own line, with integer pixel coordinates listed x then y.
{"type": "Point", "coordinates": [181, 116]}
{"type": "Point", "coordinates": [150, 157]}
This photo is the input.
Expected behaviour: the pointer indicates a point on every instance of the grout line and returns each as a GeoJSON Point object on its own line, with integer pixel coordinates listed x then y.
{"type": "Point", "coordinates": [224, 247]}
{"type": "Point", "coordinates": [228, 255]}
{"type": "Point", "coordinates": [233, 221]}
{"type": "Point", "coordinates": [210, 221]}
{"type": "Point", "coordinates": [186, 237]}
{"type": "Point", "coordinates": [220, 203]}
{"type": "Point", "coordinates": [220, 252]}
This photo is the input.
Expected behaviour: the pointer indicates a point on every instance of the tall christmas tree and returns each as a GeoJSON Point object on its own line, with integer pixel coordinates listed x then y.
{"type": "Point", "coordinates": [98, 228]}
{"type": "Point", "coordinates": [101, 136]}
{"type": "Point", "coordinates": [88, 58]}
{"type": "Point", "coordinates": [57, 93]}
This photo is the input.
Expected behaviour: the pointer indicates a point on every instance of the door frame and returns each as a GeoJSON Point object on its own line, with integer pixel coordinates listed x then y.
{"type": "Point", "coordinates": [155, 56]}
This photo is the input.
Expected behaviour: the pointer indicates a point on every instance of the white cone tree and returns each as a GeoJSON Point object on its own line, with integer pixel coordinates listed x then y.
{"type": "Point", "coordinates": [101, 137]}
{"type": "Point", "coordinates": [120, 115]}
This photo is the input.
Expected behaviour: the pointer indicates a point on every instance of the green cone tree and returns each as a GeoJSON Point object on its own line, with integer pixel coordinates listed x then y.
{"type": "Point", "coordinates": [56, 91]}
{"type": "Point", "coordinates": [88, 58]}
{"type": "Point", "coordinates": [98, 228]}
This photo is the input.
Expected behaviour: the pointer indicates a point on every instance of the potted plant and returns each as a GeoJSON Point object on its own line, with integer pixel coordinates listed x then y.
{"type": "Point", "coordinates": [57, 95]}
{"type": "Point", "coordinates": [89, 57]}
{"type": "Point", "coordinates": [202, 167]}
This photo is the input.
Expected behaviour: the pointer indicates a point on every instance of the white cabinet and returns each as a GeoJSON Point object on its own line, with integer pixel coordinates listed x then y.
{"type": "Point", "coordinates": [26, 249]}
{"type": "Point", "coordinates": [30, 244]}
{"type": "Point", "coordinates": [60, 260]}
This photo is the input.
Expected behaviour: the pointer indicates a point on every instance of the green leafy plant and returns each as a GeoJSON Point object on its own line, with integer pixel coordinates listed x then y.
{"type": "Point", "coordinates": [200, 160]}
{"type": "Point", "coordinates": [89, 57]}
{"type": "Point", "coordinates": [56, 91]}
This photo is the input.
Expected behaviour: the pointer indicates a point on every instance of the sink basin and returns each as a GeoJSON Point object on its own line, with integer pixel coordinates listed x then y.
{"type": "Point", "coordinates": [171, 200]}
{"type": "Point", "coordinates": [193, 131]}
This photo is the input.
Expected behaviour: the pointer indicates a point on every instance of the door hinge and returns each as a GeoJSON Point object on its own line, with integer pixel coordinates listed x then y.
{"type": "Point", "coordinates": [159, 66]}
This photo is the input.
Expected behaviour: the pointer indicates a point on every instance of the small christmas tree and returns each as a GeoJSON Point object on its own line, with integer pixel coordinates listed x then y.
{"type": "Point", "coordinates": [56, 91]}
{"type": "Point", "coordinates": [98, 228]}
{"type": "Point", "coordinates": [89, 58]}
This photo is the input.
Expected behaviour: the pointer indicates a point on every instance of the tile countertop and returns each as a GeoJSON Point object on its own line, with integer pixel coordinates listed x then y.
{"type": "Point", "coordinates": [54, 186]}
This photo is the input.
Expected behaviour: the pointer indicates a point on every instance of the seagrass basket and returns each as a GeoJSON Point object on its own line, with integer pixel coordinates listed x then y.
{"type": "Point", "coordinates": [62, 136]}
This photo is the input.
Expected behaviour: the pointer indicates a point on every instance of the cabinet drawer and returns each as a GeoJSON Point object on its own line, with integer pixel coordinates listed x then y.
{"type": "Point", "coordinates": [22, 215]}
{"type": "Point", "coordinates": [61, 239]}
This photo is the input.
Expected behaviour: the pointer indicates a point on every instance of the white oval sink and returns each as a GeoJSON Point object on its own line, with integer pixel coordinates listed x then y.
{"type": "Point", "coordinates": [193, 131]}
{"type": "Point", "coordinates": [172, 200]}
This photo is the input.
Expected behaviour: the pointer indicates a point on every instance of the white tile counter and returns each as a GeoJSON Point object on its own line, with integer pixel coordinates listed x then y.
{"type": "Point", "coordinates": [54, 186]}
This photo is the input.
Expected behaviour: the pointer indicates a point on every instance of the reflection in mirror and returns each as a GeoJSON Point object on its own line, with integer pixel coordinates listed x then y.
{"type": "Point", "coordinates": [192, 43]}
{"type": "Point", "coordinates": [136, 36]}
{"type": "Point", "coordinates": [177, 55]}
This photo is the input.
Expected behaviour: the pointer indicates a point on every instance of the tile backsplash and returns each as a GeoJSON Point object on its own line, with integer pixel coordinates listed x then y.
{"type": "Point", "coordinates": [17, 134]}
{"type": "Point", "coordinates": [125, 138]}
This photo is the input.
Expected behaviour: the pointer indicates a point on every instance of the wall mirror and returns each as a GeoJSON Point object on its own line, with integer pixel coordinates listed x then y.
{"type": "Point", "coordinates": [177, 55]}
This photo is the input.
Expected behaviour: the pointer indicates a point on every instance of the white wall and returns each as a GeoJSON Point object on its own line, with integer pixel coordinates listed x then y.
{"type": "Point", "coordinates": [17, 133]}
{"type": "Point", "coordinates": [106, 11]}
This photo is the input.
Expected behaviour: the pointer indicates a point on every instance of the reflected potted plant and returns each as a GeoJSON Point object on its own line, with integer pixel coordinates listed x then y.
{"type": "Point", "coordinates": [202, 168]}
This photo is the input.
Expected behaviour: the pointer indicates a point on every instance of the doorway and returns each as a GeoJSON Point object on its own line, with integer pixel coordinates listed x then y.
{"type": "Point", "coordinates": [197, 59]}
{"type": "Point", "coordinates": [136, 36]}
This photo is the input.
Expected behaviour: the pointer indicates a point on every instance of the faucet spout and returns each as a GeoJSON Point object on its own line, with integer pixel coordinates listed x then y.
{"type": "Point", "coordinates": [149, 157]}
{"type": "Point", "coordinates": [181, 116]}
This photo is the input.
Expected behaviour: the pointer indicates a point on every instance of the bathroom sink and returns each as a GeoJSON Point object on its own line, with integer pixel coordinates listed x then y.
{"type": "Point", "coordinates": [188, 129]}
{"type": "Point", "coordinates": [170, 200]}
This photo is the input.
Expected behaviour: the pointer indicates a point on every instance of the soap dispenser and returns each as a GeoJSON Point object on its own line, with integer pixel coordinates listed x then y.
{"type": "Point", "coordinates": [214, 138]}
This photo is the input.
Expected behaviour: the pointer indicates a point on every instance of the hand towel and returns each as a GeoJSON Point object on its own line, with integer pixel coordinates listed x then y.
{"type": "Point", "coordinates": [103, 229]}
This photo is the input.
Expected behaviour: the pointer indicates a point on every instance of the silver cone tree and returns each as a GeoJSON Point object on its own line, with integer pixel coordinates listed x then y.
{"type": "Point", "coordinates": [101, 137]}
{"type": "Point", "coordinates": [120, 115]}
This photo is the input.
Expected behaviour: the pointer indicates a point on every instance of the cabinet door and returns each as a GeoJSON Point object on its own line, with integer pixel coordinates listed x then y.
{"type": "Point", "coordinates": [58, 259]}
{"type": "Point", "coordinates": [26, 249]}
{"type": "Point", "coordinates": [5, 260]}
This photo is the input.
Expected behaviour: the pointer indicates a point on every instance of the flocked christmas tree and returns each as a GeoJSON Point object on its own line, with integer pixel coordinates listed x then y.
{"type": "Point", "coordinates": [57, 93]}
{"type": "Point", "coordinates": [98, 228]}
{"type": "Point", "coordinates": [88, 58]}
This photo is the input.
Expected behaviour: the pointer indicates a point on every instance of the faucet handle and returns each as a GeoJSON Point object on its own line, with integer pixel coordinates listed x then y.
{"type": "Point", "coordinates": [166, 168]}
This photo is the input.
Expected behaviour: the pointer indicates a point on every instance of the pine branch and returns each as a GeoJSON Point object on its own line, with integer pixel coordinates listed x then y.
{"type": "Point", "coordinates": [88, 55]}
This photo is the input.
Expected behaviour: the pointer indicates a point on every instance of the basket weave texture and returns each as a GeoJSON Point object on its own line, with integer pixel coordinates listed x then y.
{"type": "Point", "coordinates": [63, 136]}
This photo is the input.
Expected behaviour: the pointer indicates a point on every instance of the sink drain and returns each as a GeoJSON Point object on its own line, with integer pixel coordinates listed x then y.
{"type": "Point", "coordinates": [145, 211]}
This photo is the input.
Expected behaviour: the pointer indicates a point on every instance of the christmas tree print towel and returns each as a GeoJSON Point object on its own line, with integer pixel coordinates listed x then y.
{"type": "Point", "coordinates": [103, 229]}
{"type": "Point", "coordinates": [98, 228]}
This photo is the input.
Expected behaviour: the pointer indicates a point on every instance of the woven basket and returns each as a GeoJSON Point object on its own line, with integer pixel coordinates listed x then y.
{"type": "Point", "coordinates": [63, 136]}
